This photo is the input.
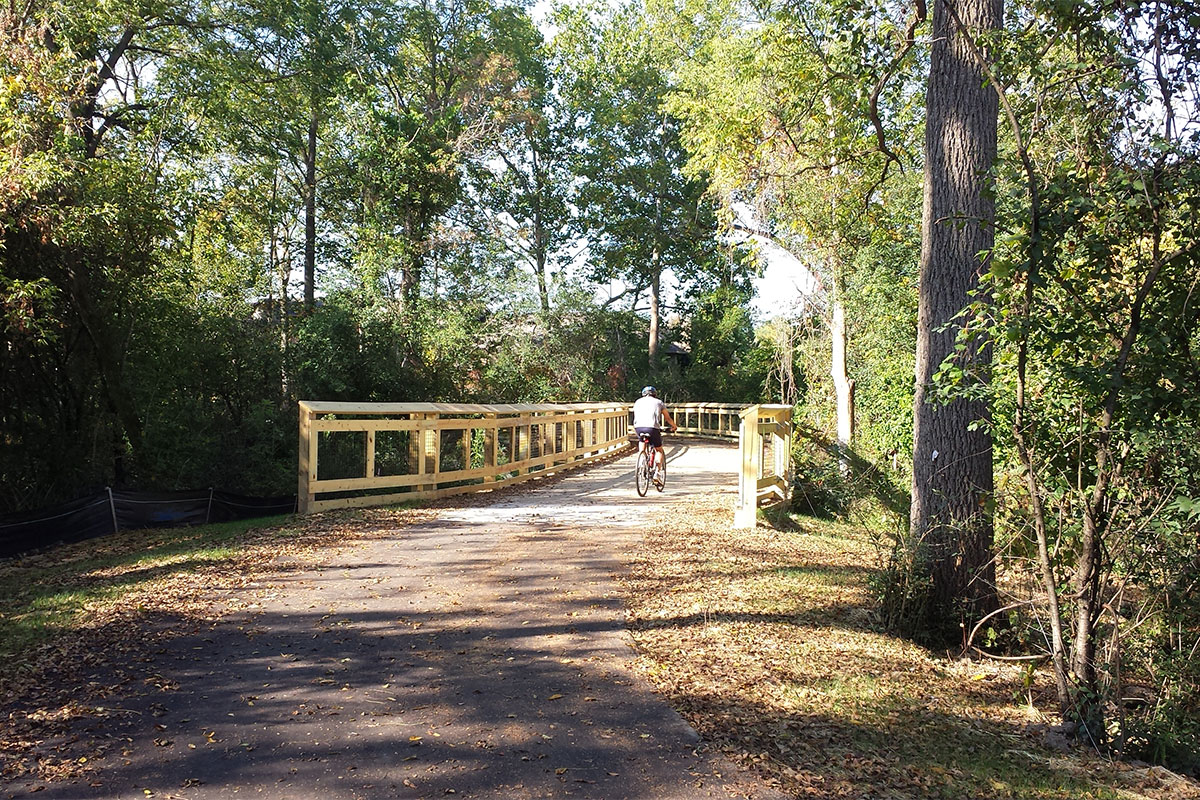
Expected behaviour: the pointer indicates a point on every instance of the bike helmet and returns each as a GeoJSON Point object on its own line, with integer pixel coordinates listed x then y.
{"type": "Point", "coordinates": [650, 391]}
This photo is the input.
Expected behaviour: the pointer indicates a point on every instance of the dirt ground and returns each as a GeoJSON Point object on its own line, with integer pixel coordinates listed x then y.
{"type": "Point", "coordinates": [481, 653]}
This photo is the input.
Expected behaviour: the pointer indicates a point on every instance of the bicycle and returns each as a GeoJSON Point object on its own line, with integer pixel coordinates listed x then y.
{"type": "Point", "coordinates": [648, 471]}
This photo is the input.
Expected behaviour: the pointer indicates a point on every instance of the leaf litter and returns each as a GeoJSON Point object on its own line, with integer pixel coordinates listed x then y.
{"type": "Point", "coordinates": [48, 690]}
{"type": "Point", "coordinates": [146, 586]}
{"type": "Point", "coordinates": [767, 643]}
{"type": "Point", "coordinates": [764, 640]}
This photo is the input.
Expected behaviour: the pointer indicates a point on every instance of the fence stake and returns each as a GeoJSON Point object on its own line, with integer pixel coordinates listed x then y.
{"type": "Point", "coordinates": [112, 507]}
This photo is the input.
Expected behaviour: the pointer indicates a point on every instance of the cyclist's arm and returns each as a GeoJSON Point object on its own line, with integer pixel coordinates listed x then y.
{"type": "Point", "coordinates": [667, 419]}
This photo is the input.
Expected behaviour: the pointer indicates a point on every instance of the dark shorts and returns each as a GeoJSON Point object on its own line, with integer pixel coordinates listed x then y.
{"type": "Point", "coordinates": [652, 435]}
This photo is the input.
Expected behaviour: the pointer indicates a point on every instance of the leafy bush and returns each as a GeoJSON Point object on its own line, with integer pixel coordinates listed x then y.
{"type": "Point", "coordinates": [819, 488]}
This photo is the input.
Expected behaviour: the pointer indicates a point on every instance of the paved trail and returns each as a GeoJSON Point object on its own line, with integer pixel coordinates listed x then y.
{"type": "Point", "coordinates": [481, 654]}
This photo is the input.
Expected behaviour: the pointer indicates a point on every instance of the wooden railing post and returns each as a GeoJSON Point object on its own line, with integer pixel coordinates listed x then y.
{"type": "Point", "coordinates": [432, 438]}
{"type": "Point", "coordinates": [416, 449]}
{"type": "Point", "coordinates": [370, 467]}
{"type": "Point", "coordinates": [468, 438]}
{"type": "Point", "coordinates": [745, 515]}
{"type": "Point", "coordinates": [489, 448]}
{"type": "Point", "coordinates": [308, 460]}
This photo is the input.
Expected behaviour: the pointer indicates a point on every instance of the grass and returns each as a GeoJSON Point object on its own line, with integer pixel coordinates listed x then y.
{"type": "Point", "coordinates": [767, 642]}
{"type": "Point", "coordinates": [48, 595]}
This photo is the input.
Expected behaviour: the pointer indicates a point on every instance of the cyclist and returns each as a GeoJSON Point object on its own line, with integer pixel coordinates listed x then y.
{"type": "Point", "coordinates": [649, 413]}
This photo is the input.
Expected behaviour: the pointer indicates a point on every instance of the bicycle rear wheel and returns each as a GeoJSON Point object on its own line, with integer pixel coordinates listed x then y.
{"type": "Point", "coordinates": [641, 473]}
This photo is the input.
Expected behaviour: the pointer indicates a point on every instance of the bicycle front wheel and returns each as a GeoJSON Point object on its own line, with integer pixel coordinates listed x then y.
{"type": "Point", "coordinates": [641, 473]}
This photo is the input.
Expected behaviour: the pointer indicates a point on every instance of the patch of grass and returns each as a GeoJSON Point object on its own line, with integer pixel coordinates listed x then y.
{"type": "Point", "coordinates": [49, 594]}
{"type": "Point", "coordinates": [767, 641]}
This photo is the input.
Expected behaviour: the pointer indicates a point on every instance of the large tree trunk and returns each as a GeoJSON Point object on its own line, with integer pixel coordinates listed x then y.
{"type": "Point", "coordinates": [540, 246]}
{"type": "Point", "coordinates": [655, 311]}
{"type": "Point", "coordinates": [310, 214]}
{"type": "Point", "coordinates": [543, 287]}
{"type": "Point", "coordinates": [541, 238]}
{"type": "Point", "coordinates": [843, 386]}
{"type": "Point", "coordinates": [952, 464]}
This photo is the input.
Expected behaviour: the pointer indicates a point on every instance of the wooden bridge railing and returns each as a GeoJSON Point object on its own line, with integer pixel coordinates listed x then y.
{"type": "Point", "coordinates": [707, 419]}
{"type": "Point", "coordinates": [765, 442]}
{"type": "Point", "coordinates": [363, 454]}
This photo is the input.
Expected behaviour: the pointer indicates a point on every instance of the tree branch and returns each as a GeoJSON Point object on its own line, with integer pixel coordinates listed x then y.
{"type": "Point", "coordinates": [919, 15]}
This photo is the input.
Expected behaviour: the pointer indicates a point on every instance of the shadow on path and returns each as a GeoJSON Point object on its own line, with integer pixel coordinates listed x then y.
{"type": "Point", "coordinates": [482, 654]}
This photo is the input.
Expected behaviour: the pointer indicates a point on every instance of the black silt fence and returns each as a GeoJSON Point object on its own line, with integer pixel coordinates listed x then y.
{"type": "Point", "coordinates": [112, 511]}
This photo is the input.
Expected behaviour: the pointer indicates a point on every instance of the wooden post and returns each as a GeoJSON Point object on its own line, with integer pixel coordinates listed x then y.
{"type": "Point", "coordinates": [750, 447]}
{"type": "Point", "coordinates": [308, 459]}
{"type": "Point", "coordinates": [415, 448]}
{"type": "Point", "coordinates": [370, 471]}
{"type": "Point", "coordinates": [490, 434]}
{"type": "Point", "coordinates": [787, 460]}
{"type": "Point", "coordinates": [432, 437]}
{"type": "Point", "coordinates": [468, 439]}
{"type": "Point", "coordinates": [525, 432]}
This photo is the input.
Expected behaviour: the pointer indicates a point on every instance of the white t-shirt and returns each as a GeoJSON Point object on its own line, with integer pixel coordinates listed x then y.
{"type": "Point", "coordinates": [647, 412]}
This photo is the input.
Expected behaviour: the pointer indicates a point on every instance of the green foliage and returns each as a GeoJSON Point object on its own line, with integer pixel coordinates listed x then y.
{"type": "Point", "coordinates": [638, 211]}
{"type": "Point", "coordinates": [881, 309]}
{"type": "Point", "coordinates": [728, 363]}
{"type": "Point", "coordinates": [819, 489]}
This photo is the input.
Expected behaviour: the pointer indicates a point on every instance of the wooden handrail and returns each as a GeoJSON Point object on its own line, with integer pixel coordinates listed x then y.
{"type": "Point", "coordinates": [379, 453]}
{"type": "Point", "coordinates": [765, 444]}
{"type": "Point", "coordinates": [433, 450]}
{"type": "Point", "coordinates": [707, 419]}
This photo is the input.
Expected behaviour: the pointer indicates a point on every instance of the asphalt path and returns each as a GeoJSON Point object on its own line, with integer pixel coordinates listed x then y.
{"type": "Point", "coordinates": [481, 654]}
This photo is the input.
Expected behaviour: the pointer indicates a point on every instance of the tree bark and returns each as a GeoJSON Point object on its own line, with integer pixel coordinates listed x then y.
{"type": "Point", "coordinates": [842, 385]}
{"type": "Point", "coordinates": [541, 239]}
{"type": "Point", "coordinates": [655, 299]}
{"type": "Point", "coordinates": [952, 464]}
{"type": "Point", "coordinates": [310, 214]}
{"type": "Point", "coordinates": [1089, 563]}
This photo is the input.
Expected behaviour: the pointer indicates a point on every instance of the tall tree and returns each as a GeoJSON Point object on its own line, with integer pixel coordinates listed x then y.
{"type": "Point", "coordinates": [439, 90]}
{"type": "Point", "coordinates": [80, 204]}
{"type": "Point", "coordinates": [952, 448]}
{"type": "Point", "coordinates": [777, 104]}
{"type": "Point", "coordinates": [1091, 297]}
{"type": "Point", "coordinates": [642, 216]}
{"type": "Point", "coordinates": [522, 180]}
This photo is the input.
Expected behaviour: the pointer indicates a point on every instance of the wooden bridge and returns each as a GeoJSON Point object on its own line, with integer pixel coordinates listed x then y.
{"type": "Point", "coordinates": [366, 454]}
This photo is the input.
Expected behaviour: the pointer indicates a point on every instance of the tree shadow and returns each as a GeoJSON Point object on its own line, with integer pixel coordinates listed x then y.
{"type": "Point", "coordinates": [908, 751]}
{"type": "Point", "coordinates": [435, 670]}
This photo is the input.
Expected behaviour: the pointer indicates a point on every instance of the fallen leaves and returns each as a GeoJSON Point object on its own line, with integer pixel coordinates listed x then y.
{"type": "Point", "coordinates": [766, 642]}
{"type": "Point", "coordinates": [133, 589]}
